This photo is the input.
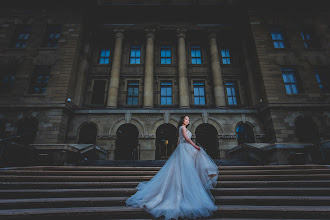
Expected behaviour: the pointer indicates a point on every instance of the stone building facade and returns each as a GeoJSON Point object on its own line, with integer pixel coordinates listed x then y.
{"type": "Point", "coordinates": [119, 74]}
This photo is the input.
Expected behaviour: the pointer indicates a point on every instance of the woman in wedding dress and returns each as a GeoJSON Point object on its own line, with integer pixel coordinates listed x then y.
{"type": "Point", "coordinates": [182, 187]}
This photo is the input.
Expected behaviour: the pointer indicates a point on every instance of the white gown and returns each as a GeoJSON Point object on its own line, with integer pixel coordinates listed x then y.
{"type": "Point", "coordinates": [182, 187]}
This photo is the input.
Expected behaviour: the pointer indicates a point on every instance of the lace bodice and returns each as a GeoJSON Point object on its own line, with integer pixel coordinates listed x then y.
{"type": "Point", "coordinates": [181, 138]}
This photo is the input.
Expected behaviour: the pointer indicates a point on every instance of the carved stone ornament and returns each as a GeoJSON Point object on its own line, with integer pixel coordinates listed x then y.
{"type": "Point", "coordinates": [150, 33]}
{"type": "Point", "coordinates": [181, 32]}
{"type": "Point", "coordinates": [119, 33]}
{"type": "Point", "coordinates": [221, 136]}
{"type": "Point", "coordinates": [147, 136]}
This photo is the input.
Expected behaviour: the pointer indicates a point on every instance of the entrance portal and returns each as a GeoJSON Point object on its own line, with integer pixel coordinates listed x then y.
{"type": "Point", "coordinates": [166, 141]}
{"type": "Point", "coordinates": [207, 137]}
{"type": "Point", "coordinates": [126, 141]}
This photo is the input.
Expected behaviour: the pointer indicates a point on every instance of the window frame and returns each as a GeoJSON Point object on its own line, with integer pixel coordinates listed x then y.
{"type": "Point", "coordinates": [48, 40]}
{"type": "Point", "coordinates": [287, 70]}
{"type": "Point", "coordinates": [21, 30]}
{"type": "Point", "coordinates": [283, 40]}
{"type": "Point", "coordinates": [127, 92]}
{"type": "Point", "coordinates": [160, 94]}
{"type": "Point", "coordinates": [105, 92]}
{"type": "Point", "coordinates": [42, 85]}
{"type": "Point", "coordinates": [204, 87]}
{"type": "Point", "coordinates": [165, 47]}
{"type": "Point", "coordinates": [104, 57]}
{"type": "Point", "coordinates": [134, 47]}
{"type": "Point", "coordinates": [237, 94]}
{"type": "Point", "coordinates": [318, 72]}
{"type": "Point", "coordinates": [226, 57]}
{"type": "Point", "coordinates": [196, 47]}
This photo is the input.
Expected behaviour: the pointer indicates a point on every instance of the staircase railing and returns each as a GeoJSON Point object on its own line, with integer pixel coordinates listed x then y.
{"type": "Point", "coordinates": [3, 143]}
{"type": "Point", "coordinates": [136, 152]}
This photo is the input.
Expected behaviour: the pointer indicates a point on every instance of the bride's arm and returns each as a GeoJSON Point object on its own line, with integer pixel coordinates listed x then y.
{"type": "Point", "coordinates": [185, 135]}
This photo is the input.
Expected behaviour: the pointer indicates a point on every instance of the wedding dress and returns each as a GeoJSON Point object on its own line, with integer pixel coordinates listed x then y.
{"type": "Point", "coordinates": [182, 187]}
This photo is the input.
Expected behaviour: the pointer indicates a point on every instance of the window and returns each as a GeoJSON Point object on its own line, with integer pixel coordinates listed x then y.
{"type": "Point", "coordinates": [104, 56]}
{"type": "Point", "coordinates": [290, 81]}
{"type": "Point", "coordinates": [245, 134]}
{"type": "Point", "coordinates": [98, 92]}
{"type": "Point", "coordinates": [7, 80]}
{"type": "Point", "coordinates": [278, 39]}
{"type": "Point", "coordinates": [323, 80]}
{"type": "Point", "coordinates": [52, 36]}
{"type": "Point", "coordinates": [39, 80]}
{"type": "Point", "coordinates": [21, 36]}
{"type": "Point", "coordinates": [135, 55]}
{"type": "Point", "coordinates": [196, 55]}
{"type": "Point", "coordinates": [307, 39]}
{"type": "Point", "coordinates": [133, 93]}
{"type": "Point", "coordinates": [199, 93]}
{"type": "Point", "coordinates": [225, 56]}
{"type": "Point", "coordinates": [165, 55]}
{"type": "Point", "coordinates": [232, 94]}
{"type": "Point", "coordinates": [166, 93]}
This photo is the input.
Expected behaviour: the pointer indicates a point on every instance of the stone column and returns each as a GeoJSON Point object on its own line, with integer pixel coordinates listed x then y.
{"type": "Point", "coordinates": [219, 92]}
{"type": "Point", "coordinates": [149, 70]}
{"type": "Point", "coordinates": [182, 65]}
{"type": "Point", "coordinates": [115, 70]}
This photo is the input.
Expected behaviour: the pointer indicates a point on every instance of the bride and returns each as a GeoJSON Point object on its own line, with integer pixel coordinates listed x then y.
{"type": "Point", "coordinates": [182, 187]}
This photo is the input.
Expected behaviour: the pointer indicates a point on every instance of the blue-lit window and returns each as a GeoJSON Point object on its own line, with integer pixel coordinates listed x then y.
{"type": "Point", "coordinates": [225, 56]}
{"type": "Point", "coordinates": [278, 38]}
{"type": "Point", "coordinates": [290, 81]}
{"type": "Point", "coordinates": [39, 80]}
{"type": "Point", "coordinates": [22, 35]}
{"type": "Point", "coordinates": [196, 55]}
{"type": "Point", "coordinates": [135, 55]}
{"type": "Point", "coordinates": [232, 94]}
{"type": "Point", "coordinates": [307, 39]}
{"type": "Point", "coordinates": [132, 93]}
{"type": "Point", "coordinates": [166, 93]}
{"type": "Point", "coordinates": [7, 80]}
{"type": "Point", "coordinates": [323, 80]}
{"type": "Point", "coordinates": [104, 56]}
{"type": "Point", "coordinates": [52, 36]}
{"type": "Point", "coordinates": [199, 93]}
{"type": "Point", "coordinates": [165, 55]}
{"type": "Point", "coordinates": [245, 134]}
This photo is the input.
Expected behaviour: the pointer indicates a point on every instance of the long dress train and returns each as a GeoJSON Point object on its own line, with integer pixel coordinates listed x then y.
{"type": "Point", "coordinates": [182, 187]}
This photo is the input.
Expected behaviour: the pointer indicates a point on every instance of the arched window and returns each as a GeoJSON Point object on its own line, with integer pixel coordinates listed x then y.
{"type": "Point", "coordinates": [305, 129]}
{"type": "Point", "coordinates": [245, 134]}
{"type": "Point", "coordinates": [27, 129]}
{"type": "Point", "coordinates": [87, 134]}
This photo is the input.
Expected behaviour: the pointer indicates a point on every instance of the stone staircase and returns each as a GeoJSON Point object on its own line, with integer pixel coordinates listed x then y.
{"type": "Point", "coordinates": [242, 192]}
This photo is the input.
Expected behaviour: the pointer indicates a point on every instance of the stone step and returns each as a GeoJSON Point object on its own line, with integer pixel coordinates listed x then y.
{"type": "Point", "coordinates": [97, 168]}
{"type": "Point", "coordinates": [221, 184]}
{"type": "Point", "coordinates": [61, 193]}
{"type": "Point", "coordinates": [224, 211]}
{"type": "Point", "coordinates": [18, 178]}
{"type": "Point", "coordinates": [120, 201]}
{"type": "Point", "coordinates": [152, 173]}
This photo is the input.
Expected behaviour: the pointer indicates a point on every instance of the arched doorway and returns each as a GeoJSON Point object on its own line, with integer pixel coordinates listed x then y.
{"type": "Point", "coordinates": [27, 129]}
{"type": "Point", "coordinates": [166, 141]}
{"type": "Point", "coordinates": [87, 134]}
{"type": "Point", "coordinates": [305, 129]}
{"type": "Point", "coordinates": [127, 138]}
{"type": "Point", "coordinates": [245, 134]}
{"type": "Point", "coordinates": [207, 137]}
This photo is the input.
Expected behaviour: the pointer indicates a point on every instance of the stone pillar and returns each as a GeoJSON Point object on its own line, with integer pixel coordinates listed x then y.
{"type": "Point", "coordinates": [149, 70]}
{"type": "Point", "coordinates": [219, 92]}
{"type": "Point", "coordinates": [115, 70]}
{"type": "Point", "coordinates": [182, 65]}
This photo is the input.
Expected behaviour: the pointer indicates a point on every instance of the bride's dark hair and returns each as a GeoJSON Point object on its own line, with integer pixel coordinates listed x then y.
{"type": "Point", "coordinates": [181, 121]}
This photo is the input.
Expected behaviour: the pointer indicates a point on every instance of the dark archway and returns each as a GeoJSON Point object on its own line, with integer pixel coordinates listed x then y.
{"type": "Point", "coordinates": [127, 138]}
{"type": "Point", "coordinates": [87, 134]}
{"type": "Point", "coordinates": [305, 129]}
{"type": "Point", "coordinates": [166, 140]}
{"type": "Point", "coordinates": [207, 137]}
{"type": "Point", "coordinates": [245, 134]}
{"type": "Point", "coordinates": [27, 129]}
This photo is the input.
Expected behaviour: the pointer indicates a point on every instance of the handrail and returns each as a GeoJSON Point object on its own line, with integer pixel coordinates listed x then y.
{"type": "Point", "coordinates": [136, 148]}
